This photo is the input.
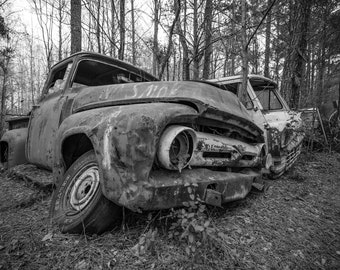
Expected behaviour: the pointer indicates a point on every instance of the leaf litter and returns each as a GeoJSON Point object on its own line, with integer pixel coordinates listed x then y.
{"type": "Point", "coordinates": [294, 224]}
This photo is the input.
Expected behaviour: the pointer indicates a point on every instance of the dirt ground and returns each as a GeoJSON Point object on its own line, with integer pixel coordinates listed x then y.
{"type": "Point", "coordinates": [294, 224]}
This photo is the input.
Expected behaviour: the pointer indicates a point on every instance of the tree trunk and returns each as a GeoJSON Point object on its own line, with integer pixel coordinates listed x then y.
{"type": "Point", "coordinates": [180, 61]}
{"type": "Point", "coordinates": [299, 72]}
{"type": "Point", "coordinates": [98, 26]}
{"type": "Point", "coordinates": [31, 70]}
{"type": "Point", "coordinates": [196, 58]}
{"type": "Point", "coordinates": [155, 51]}
{"type": "Point", "coordinates": [168, 51]}
{"type": "Point", "coordinates": [208, 48]}
{"type": "Point", "coordinates": [232, 54]}
{"type": "Point", "coordinates": [321, 65]}
{"type": "Point", "coordinates": [267, 51]}
{"type": "Point", "coordinates": [174, 64]}
{"type": "Point", "coordinates": [3, 102]}
{"type": "Point", "coordinates": [185, 65]}
{"type": "Point", "coordinates": [60, 41]}
{"type": "Point", "coordinates": [6, 55]}
{"type": "Point", "coordinates": [276, 50]}
{"type": "Point", "coordinates": [113, 30]}
{"type": "Point", "coordinates": [296, 60]}
{"type": "Point", "coordinates": [75, 26]}
{"type": "Point", "coordinates": [89, 29]}
{"type": "Point", "coordinates": [121, 30]}
{"type": "Point", "coordinates": [256, 55]}
{"type": "Point", "coordinates": [308, 86]}
{"type": "Point", "coordinates": [133, 33]}
{"type": "Point", "coordinates": [243, 94]}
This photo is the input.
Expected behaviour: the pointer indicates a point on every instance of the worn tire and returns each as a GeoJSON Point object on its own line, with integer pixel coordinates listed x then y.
{"type": "Point", "coordinates": [78, 204]}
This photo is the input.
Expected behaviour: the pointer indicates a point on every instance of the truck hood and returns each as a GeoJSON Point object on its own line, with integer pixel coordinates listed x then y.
{"type": "Point", "coordinates": [206, 99]}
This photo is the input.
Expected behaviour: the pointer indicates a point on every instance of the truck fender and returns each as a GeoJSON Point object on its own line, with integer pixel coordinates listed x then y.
{"type": "Point", "coordinates": [12, 148]}
{"type": "Point", "coordinates": [124, 140]}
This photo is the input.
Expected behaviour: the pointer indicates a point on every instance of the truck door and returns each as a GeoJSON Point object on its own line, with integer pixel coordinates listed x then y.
{"type": "Point", "coordinates": [274, 111]}
{"type": "Point", "coordinates": [253, 106]}
{"type": "Point", "coordinates": [45, 118]}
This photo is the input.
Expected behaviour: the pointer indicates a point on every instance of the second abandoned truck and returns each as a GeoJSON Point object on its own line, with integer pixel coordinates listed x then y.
{"type": "Point", "coordinates": [115, 137]}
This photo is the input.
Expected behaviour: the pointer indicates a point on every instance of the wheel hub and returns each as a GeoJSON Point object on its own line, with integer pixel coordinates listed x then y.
{"type": "Point", "coordinates": [84, 188]}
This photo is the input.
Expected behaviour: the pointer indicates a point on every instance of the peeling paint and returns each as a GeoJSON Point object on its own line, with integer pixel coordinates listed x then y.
{"type": "Point", "coordinates": [219, 151]}
{"type": "Point", "coordinates": [107, 148]}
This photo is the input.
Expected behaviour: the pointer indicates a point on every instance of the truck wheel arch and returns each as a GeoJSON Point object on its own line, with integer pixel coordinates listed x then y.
{"type": "Point", "coordinates": [73, 147]}
{"type": "Point", "coordinates": [78, 204]}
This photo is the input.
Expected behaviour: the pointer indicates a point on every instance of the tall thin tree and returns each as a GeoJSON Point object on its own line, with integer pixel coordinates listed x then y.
{"type": "Point", "coordinates": [121, 49]}
{"type": "Point", "coordinates": [133, 34]}
{"type": "Point", "coordinates": [208, 48]}
{"type": "Point", "coordinates": [267, 50]}
{"type": "Point", "coordinates": [243, 94]}
{"type": "Point", "coordinates": [155, 50]}
{"type": "Point", "coordinates": [75, 26]}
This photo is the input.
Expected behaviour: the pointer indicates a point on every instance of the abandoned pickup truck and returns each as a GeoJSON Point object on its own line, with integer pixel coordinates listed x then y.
{"type": "Point", "coordinates": [115, 137]}
{"type": "Point", "coordinates": [282, 127]}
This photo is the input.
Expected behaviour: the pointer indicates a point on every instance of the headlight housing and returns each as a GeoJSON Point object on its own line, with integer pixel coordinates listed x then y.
{"type": "Point", "coordinates": [176, 147]}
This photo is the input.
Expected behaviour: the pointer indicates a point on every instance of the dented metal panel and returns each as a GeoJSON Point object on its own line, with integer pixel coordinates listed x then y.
{"type": "Point", "coordinates": [214, 150]}
{"type": "Point", "coordinates": [43, 125]}
{"type": "Point", "coordinates": [168, 189]}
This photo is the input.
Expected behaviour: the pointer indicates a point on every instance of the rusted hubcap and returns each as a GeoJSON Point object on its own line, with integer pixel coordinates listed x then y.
{"type": "Point", "coordinates": [84, 188]}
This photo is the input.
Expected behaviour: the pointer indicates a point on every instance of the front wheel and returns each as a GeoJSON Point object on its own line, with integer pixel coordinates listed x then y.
{"type": "Point", "coordinates": [78, 204]}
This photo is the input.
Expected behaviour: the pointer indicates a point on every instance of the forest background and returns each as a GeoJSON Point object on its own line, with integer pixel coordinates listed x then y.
{"type": "Point", "coordinates": [295, 42]}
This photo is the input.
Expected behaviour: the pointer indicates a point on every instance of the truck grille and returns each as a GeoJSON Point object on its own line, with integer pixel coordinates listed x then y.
{"type": "Point", "coordinates": [292, 155]}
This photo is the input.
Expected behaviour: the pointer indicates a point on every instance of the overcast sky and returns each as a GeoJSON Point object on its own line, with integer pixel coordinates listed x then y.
{"type": "Point", "coordinates": [22, 9]}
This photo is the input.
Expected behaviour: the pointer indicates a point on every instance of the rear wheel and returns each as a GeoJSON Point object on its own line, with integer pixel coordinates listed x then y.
{"type": "Point", "coordinates": [78, 204]}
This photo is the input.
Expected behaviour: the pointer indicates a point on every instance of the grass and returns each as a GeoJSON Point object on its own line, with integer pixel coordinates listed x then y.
{"type": "Point", "coordinates": [295, 224]}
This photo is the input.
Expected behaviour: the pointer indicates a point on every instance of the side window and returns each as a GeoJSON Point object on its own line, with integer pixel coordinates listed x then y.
{"type": "Point", "coordinates": [263, 96]}
{"type": "Point", "coordinates": [269, 100]}
{"type": "Point", "coordinates": [275, 103]}
{"type": "Point", "coordinates": [58, 80]}
{"type": "Point", "coordinates": [265, 91]}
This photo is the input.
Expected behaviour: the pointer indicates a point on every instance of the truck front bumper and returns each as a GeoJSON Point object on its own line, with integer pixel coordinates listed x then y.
{"type": "Point", "coordinates": [168, 189]}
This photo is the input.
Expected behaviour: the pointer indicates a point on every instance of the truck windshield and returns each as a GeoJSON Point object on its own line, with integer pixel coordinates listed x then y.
{"type": "Point", "coordinates": [95, 73]}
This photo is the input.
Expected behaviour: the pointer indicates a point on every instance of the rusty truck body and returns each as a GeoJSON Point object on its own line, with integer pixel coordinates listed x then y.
{"type": "Point", "coordinates": [282, 126]}
{"type": "Point", "coordinates": [114, 136]}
